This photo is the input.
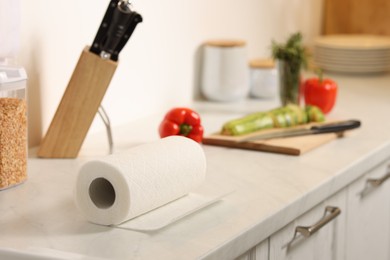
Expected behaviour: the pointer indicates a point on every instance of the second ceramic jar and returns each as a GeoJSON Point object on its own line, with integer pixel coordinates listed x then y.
{"type": "Point", "coordinates": [263, 78]}
{"type": "Point", "coordinates": [225, 72]}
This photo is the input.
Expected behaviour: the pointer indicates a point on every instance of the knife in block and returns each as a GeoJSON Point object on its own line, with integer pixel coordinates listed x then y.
{"type": "Point", "coordinates": [89, 82]}
{"type": "Point", "coordinates": [78, 106]}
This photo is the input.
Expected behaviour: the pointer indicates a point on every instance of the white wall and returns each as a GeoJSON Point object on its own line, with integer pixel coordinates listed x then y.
{"type": "Point", "coordinates": [157, 68]}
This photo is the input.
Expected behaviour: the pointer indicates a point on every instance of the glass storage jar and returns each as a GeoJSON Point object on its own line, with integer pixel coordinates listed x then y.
{"type": "Point", "coordinates": [13, 126]}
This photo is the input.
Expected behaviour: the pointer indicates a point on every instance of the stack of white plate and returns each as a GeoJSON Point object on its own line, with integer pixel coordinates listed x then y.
{"type": "Point", "coordinates": [353, 53]}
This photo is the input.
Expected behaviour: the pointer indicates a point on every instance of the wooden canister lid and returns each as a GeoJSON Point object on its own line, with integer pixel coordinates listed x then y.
{"type": "Point", "coordinates": [226, 43]}
{"type": "Point", "coordinates": [262, 63]}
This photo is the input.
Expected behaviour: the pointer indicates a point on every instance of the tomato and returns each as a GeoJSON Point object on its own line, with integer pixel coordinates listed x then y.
{"type": "Point", "coordinates": [321, 93]}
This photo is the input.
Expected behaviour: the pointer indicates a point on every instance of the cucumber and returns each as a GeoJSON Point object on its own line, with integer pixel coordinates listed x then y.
{"type": "Point", "coordinates": [279, 119]}
{"type": "Point", "coordinates": [300, 114]}
{"type": "Point", "coordinates": [248, 124]}
{"type": "Point", "coordinates": [244, 119]}
{"type": "Point", "coordinates": [314, 114]}
{"type": "Point", "coordinates": [287, 116]}
{"type": "Point", "coordinates": [290, 121]}
{"type": "Point", "coordinates": [291, 117]}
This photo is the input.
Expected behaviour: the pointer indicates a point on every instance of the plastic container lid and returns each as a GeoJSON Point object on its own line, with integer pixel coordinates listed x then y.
{"type": "Point", "coordinates": [12, 78]}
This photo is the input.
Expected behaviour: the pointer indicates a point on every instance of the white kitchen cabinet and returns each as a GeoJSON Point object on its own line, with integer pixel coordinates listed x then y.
{"type": "Point", "coordinates": [368, 226]}
{"type": "Point", "coordinates": [327, 228]}
{"type": "Point", "coordinates": [259, 252]}
{"type": "Point", "coordinates": [361, 230]}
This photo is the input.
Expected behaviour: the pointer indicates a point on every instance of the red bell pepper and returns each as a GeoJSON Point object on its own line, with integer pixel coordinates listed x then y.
{"type": "Point", "coordinates": [320, 92]}
{"type": "Point", "coordinates": [182, 121]}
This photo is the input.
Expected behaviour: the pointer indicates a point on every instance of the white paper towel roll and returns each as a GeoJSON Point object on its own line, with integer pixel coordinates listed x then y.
{"type": "Point", "coordinates": [119, 187]}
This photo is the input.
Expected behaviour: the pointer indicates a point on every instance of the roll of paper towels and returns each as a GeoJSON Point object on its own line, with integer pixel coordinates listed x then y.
{"type": "Point", "coordinates": [122, 186]}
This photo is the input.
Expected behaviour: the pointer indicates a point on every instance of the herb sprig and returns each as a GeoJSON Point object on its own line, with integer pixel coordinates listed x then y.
{"type": "Point", "coordinates": [292, 51]}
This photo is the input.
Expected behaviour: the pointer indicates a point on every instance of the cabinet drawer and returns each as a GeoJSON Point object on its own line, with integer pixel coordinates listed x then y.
{"type": "Point", "coordinates": [368, 225]}
{"type": "Point", "coordinates": [328, 233]}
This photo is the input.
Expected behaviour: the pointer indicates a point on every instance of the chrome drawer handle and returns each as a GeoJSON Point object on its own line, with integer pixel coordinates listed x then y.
{"type": "Point", "coordinates": [378, 182]}
{"type": "Point", "coordinates": [306, 231]}
{"type": "Point", "coordinates": [375, 183]}
{"type": "Point", "coordinates": [330, 214]}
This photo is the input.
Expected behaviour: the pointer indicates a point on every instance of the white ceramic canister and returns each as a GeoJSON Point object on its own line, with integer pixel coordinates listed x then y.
{"type": "Point", "coordinates": [263, 78]}
{"type": "Point", "coordinates": [225, 71]}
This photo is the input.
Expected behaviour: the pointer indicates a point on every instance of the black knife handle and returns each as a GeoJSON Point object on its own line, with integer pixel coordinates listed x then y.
{"type": "Point", "coordinates": [134, 20]}
{"type": "Point", "coordinates": [119, 23]}
{"type": "Point", "coordinates": [104, 25]}
{"type": "Point", "coordinates": [336, 127]}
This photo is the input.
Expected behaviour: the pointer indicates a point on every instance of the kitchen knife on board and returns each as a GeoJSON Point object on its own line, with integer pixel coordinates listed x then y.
{"type": "Point", "coordinates": [337, 127]}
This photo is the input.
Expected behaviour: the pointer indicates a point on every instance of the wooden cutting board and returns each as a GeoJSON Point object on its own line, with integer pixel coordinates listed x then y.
{"type": "Point", "coordinates": [356, 17]}
{"type": "Point", "coordinates": [292, 145]}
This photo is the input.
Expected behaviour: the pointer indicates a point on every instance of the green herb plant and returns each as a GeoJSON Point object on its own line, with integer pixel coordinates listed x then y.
{"type": "Point", "coordinates": [291, 57]}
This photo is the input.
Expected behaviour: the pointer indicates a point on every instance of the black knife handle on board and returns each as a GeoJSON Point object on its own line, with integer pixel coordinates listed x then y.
{"type": "Point", "coordinates": [336, 127]}
{"type": "Point", "coordinates": [118, 24]}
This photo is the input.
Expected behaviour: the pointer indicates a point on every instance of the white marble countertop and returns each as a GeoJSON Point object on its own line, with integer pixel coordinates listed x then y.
{"type": "Point", "coordinates": [270, 189]}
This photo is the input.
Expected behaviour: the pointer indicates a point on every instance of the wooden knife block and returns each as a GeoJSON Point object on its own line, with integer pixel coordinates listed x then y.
{"type": "Point", "coordinates": [78, 106]}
